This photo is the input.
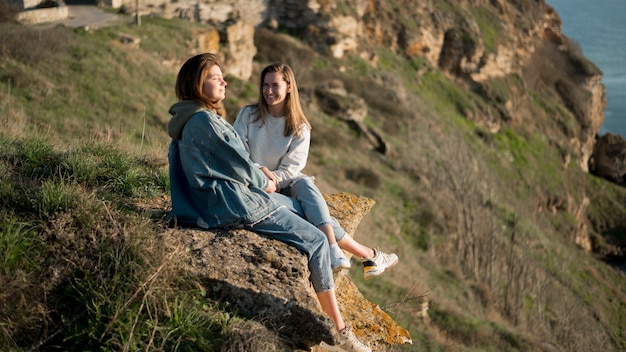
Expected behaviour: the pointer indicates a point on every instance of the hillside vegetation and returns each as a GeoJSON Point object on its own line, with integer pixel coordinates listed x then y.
{"type": "Point", "coordinates": [478, 219]}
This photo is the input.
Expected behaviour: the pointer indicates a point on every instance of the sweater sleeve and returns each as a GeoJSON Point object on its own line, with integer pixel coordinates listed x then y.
{"type": "Point", "coordinates": [241, 124]}
{"type": "Point", "coordinates": [294, 161]}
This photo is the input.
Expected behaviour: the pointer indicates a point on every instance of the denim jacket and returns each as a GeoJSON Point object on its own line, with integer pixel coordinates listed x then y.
{"type": "Point", "coordinates": [213, 182]}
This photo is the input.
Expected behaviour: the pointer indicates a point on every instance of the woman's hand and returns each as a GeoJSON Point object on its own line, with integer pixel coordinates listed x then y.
{"type": "Point", "coordinates": [271, 187]}
{"type": "Point", "coordinates": [274, 184]}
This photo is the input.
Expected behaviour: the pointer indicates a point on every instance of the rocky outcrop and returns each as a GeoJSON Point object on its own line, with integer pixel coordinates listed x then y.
{"type": "Point", "coordinates": [333, 99]}
{"type": "Point", "coordinates": [268, 280]}
{"type": "Point", "coordinates": [234, 21]}
{"type": "Point", "coordinates": [609, 158]}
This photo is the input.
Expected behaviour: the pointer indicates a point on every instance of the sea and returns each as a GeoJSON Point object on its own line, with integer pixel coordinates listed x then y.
{"type": "Point", "coordinates": [599, 28]}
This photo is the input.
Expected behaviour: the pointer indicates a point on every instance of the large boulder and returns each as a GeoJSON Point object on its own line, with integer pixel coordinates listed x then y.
{"type": "Point", "coordinates": [269, 281]}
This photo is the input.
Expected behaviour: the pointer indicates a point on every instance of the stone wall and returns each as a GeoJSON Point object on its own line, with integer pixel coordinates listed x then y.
{"type": "Point", "coordinates": [44, 15]}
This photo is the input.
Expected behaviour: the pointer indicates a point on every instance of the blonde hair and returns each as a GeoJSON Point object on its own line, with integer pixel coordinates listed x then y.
{"type": "Point", "coordinates": [294, 116]}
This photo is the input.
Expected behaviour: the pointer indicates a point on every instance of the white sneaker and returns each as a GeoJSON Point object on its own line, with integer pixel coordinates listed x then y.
{"type": "Point", "coordinates": [348, 342]}
{"type": "Point", "coordinates": [377, 265]}
{"type": "Point", "coordinates": [338, 260]}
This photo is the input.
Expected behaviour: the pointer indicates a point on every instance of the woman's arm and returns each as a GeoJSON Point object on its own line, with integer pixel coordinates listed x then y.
{"type": "Point", "coordinates": [241, 124]}
{"type": "Point", "coordinates": [294, 161]}
{"type": "Point", "coordinates": [221, 153]}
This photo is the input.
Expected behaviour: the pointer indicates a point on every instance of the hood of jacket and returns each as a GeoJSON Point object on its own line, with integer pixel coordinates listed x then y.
{"type": "Point", "coordinates": [181, 112]}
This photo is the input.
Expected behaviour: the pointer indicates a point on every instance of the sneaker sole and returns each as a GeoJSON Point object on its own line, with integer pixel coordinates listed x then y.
{"type": "Point", "coordinates": [340, 267]}
{"type": "Point", "coordinates": [330, 348]}
{"type": "Point", "coordinates": [373, 273]}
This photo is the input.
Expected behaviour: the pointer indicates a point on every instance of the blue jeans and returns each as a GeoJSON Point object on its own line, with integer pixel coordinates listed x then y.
{"type": "Point", "coordinates": [287, 226]}
{"type": "Point", "coordinates": [304, 198]}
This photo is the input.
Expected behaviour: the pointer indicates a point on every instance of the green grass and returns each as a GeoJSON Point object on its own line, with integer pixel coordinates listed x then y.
{"type": "Point", "coordinates": [81, 86]}
{"type": "Point", "coordinates": [445, 97]}
{"type": "Point", "coordinates": [19, 245]}
{"type": "Point", "coordinates": [114, 288]}
{"type": "Point", "coordinates": [490, 26]}
{"type": "Point", "coordinates": [533, 158]}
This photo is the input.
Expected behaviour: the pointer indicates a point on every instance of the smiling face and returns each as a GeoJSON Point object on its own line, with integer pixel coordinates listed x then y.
{"type": "Point", "coordinates": [214, 87]}
{"type": "Point", "coordinates": [275, 92]}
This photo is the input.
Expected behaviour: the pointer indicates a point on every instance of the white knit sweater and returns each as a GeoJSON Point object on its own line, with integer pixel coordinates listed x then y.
{"type": "Point", "coordinates": [285, 156]}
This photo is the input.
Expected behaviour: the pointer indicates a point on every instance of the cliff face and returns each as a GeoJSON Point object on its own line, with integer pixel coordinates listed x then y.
{"type": "Point", "coordinates": [475, 42]}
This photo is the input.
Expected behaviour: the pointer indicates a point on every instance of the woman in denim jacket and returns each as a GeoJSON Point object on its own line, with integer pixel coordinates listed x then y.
{"type": "Point", "coordinates": [214, 184]}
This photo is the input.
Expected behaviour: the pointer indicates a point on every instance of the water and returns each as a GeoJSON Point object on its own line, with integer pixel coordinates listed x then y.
{"type": "Point", "coordinates": [599, 28]}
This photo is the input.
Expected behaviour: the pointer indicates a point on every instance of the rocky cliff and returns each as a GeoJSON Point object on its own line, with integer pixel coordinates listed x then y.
{"type": "Point", "coordinates": [475, 42]}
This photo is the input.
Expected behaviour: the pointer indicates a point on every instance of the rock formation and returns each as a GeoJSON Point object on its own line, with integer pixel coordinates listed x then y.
{"type": "Point", "coordinates": [268, 280]}
{"type": "Point", "coordinates": [609, 158]}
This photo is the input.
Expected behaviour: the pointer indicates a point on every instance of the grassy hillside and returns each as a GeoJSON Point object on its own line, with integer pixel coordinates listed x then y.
{"type": "Point", "coordinates": [480, 221]}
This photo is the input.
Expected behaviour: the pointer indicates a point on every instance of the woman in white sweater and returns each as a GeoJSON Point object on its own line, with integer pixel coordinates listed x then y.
{"type": "Point", "coordinates": [277, 134]}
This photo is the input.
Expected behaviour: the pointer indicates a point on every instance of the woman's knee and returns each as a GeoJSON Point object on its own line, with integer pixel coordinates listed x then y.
{"type": "Point", "coordinates": [304, 184]}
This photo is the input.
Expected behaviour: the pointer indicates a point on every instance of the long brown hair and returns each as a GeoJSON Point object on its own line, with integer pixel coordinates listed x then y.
{"type": "Point", "coordinates": [190, 81]}
{"type": "Point", "coordinates": [294, 116]}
